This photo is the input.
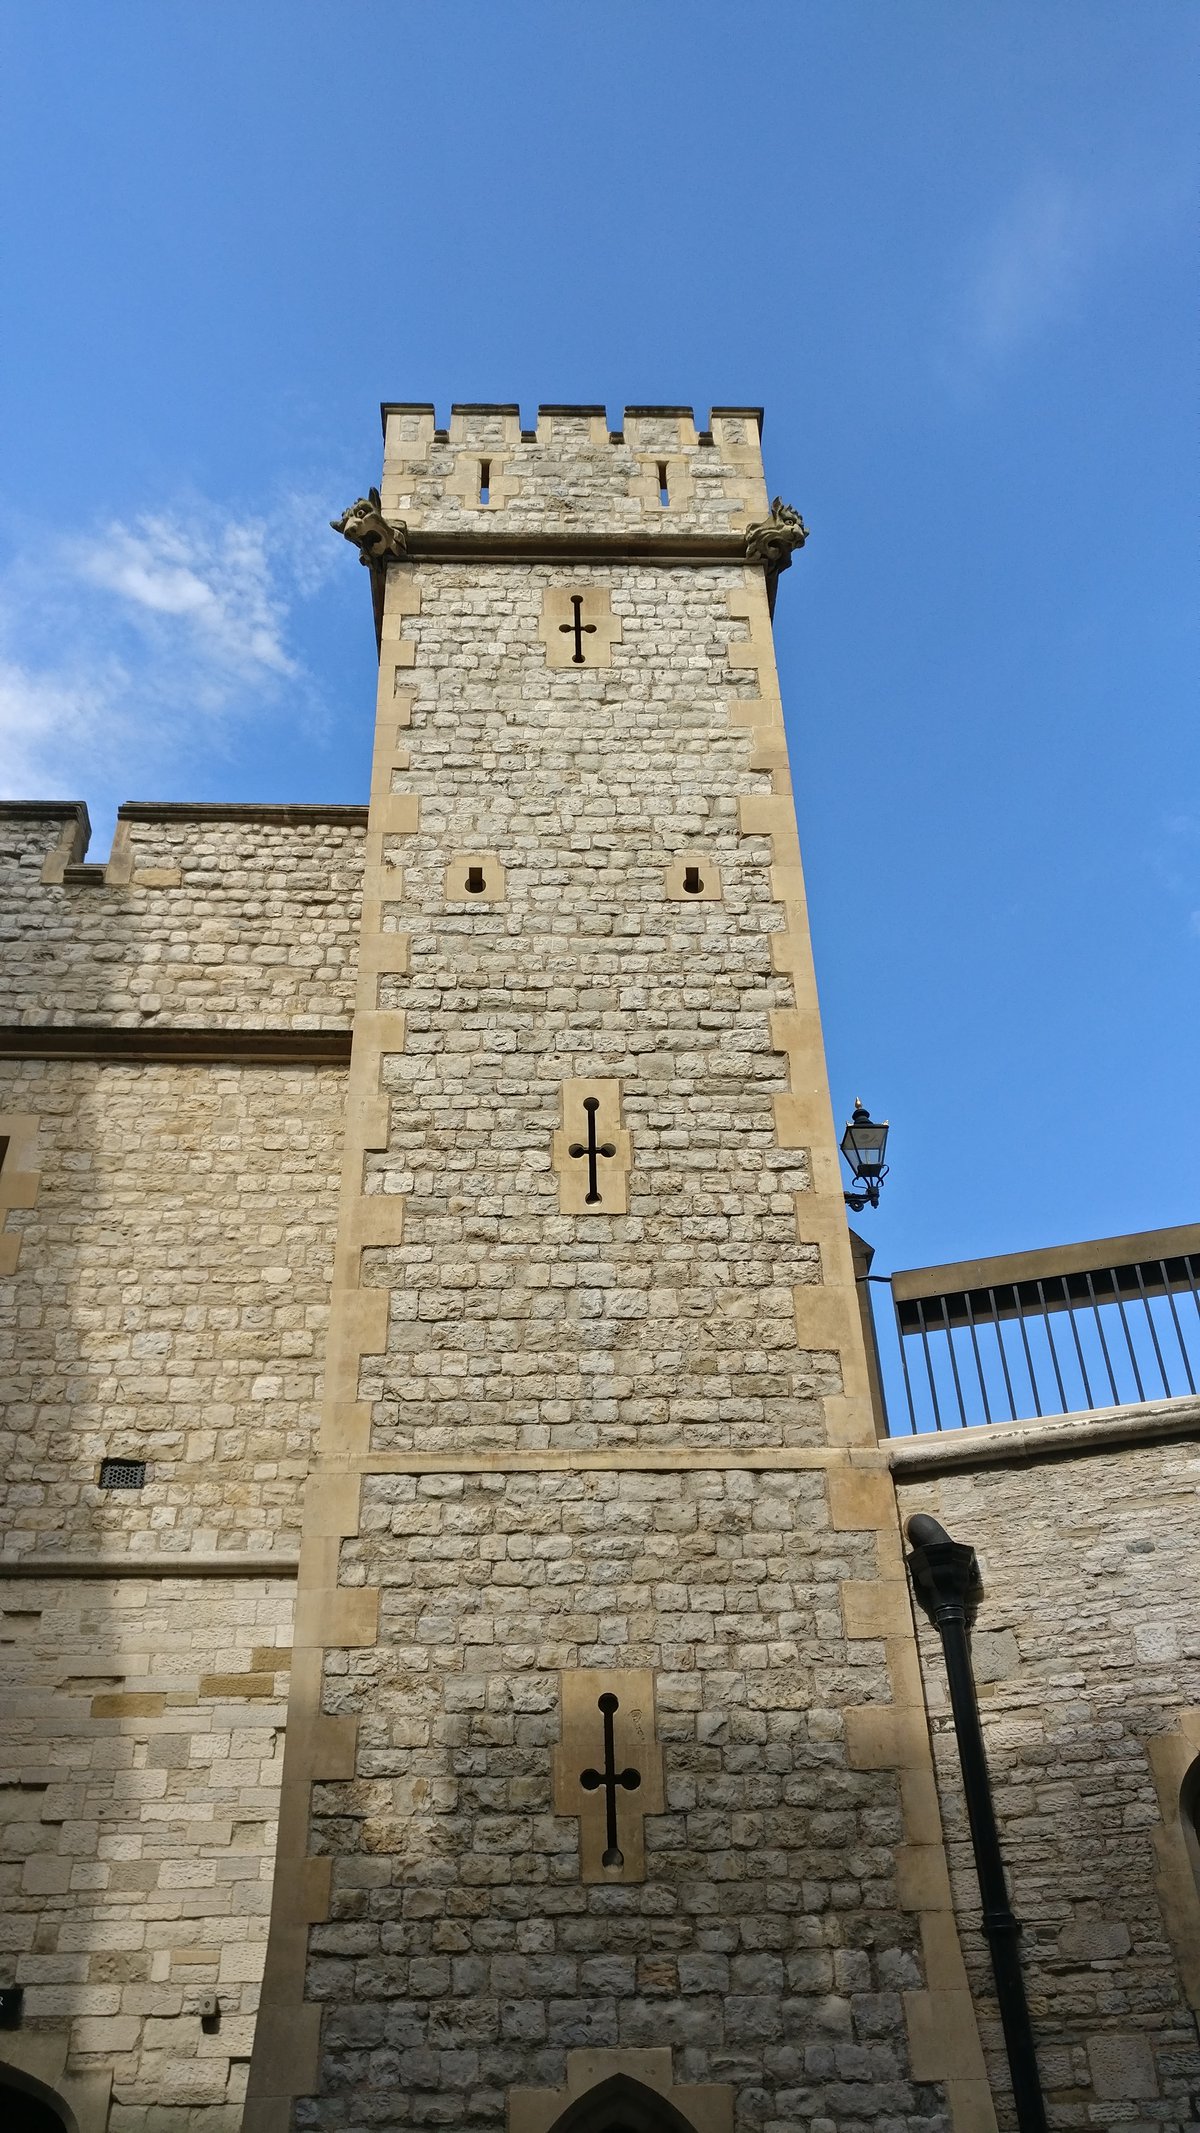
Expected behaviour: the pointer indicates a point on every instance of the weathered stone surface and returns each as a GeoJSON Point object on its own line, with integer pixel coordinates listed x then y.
{"type": "Point", "coordinates": [512, 1326]}
{"type": "Point", "coordinates": [551, 1438]}
{"type": "Point", "coordinates": [771, 1871]}
{"type": "Point", "coordinates": [171, 1303]}
{"type": "Point", "coordinates": [573, 474]}
{"type": "Point", "coordinates": [136, 1847]}
{"type": "Point", "coordinates": [242, 924]}
{"type": "Point", "coordinates": [1090, 1565]}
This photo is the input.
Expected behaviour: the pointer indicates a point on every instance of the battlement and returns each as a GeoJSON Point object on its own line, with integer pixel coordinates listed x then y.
{"type": "Point", "coordinates": [474, 421]}
{"type": "Point", "coordinates": [234, 915]}
{"type": "Point", "coordinates": [658, 470]}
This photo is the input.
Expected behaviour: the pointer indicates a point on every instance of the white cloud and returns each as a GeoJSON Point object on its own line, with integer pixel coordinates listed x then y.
{"type": "Point", "coordinates": [217, 582]}
{"type": "Point", "coordinates": [49, 725]}
{"type": "Point", "coordinates": [165, 630]}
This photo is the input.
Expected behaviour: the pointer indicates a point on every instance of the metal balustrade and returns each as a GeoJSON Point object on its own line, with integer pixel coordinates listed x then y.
{"type": "Point", "coordinates": [1111, 1323]}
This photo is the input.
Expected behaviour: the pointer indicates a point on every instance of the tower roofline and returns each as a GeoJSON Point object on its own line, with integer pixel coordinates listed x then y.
{"type": "Point", "coordinates": [565, 407]}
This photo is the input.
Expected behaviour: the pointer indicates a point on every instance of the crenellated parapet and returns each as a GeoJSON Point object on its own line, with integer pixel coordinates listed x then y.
{"type": "Point", "coordinates": [242, 917]}
{"type": "Point", "coordinates": [659, 472]}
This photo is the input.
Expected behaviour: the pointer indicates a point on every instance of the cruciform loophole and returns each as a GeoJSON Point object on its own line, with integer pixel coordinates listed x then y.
{"type": "Point", "coordinates": [580, 628]}
{"type": "Point", "coordinates": [610, 1777]}
{"type": "Point", "coordinates": [593, 1149]}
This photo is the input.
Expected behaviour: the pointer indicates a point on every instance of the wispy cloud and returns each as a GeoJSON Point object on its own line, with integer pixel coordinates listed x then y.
{"type": "Point", "coordinates": [1173, 861]}
{"type": "Point", "coordinates": [1031, 268]}
{"type": "Point", "coordinates": [1034, 261]}
{"type": "Point", "coordinates": [217, 584]}
{"type": "Point", "coordinates": [46, 718]}
{"type": "Point", "coordinates": [161, 631]}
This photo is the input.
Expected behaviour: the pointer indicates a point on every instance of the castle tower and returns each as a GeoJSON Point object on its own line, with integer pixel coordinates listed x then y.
{"type": "Point", "coordinates": [607, 1798]}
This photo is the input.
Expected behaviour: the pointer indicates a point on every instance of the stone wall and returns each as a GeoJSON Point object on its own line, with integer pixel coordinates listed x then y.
{"type": "Point", "coordinates": [166, 1239]}
{"type": "Point", "coordinates": [573, 471]}
{"type": "Point", "coordinates": [625, 1434]}
{"type": "Point", "coordinates": [237, 917]}
{"type": "Point", "coordinates": [1087, 1651]}
{"type": "Point", "coordinates": [512, 1323]}
{"type": "Point", "coordinates": [169, 1303]}
{"type": "Point", "coordinates": [463, 1956]}
{"type": "Point", "coordinates": [138, 1801]}
{"type": "Point", "coordinates": [566, 1437]}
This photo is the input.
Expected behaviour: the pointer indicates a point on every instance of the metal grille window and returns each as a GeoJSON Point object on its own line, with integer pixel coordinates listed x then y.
{"type": "Point", "coordinates": [122, 1473]}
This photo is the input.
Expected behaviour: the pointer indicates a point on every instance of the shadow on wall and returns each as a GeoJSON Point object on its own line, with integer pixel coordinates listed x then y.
{"type": "Point", "coordinates": [164, 1278]}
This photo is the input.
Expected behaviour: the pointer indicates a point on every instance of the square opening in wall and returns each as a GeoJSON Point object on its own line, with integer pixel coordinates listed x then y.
{"type": "Point", "coordinates": [122, 1473]}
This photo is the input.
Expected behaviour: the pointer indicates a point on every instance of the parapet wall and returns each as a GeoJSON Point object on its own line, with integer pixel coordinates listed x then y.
{"type": "Point", "coordinates": [246, 917]}
{"type": "Point", "coordinates": [658, 473]}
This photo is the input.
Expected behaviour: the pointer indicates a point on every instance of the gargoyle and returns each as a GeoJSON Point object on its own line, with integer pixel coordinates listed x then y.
{"type": "Point", "coordinates": [774, 539]}
{"type": "Point", "coordinates": [363, 523]}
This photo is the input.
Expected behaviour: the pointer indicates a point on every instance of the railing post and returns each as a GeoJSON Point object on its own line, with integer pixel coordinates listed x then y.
{"type": "Point", "coordinates": [863, 1253]}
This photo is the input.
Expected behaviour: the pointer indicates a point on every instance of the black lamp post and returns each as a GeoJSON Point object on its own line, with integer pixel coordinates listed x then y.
{"type": "Point", "coordinates": [863, 1145]}
{"type": "Point", "coordinates": [945, 1577]}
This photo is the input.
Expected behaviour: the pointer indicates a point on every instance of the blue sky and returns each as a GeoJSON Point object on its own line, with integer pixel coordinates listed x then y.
{"type": "Point", "coordinates": [951, 249]}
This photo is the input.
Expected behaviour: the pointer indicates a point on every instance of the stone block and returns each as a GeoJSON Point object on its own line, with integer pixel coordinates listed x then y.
{"type": "Point", "coordinates": [110, 2034]}
{"type": "Point", "coordinates": [1094, 1940]}
{"type": "Point", "coordinates": [943, 2039]}
{"type": "Point", "coordinates": [1122, 2067]}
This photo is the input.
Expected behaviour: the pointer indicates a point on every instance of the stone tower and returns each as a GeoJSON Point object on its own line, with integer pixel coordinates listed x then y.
{"type": "Point", "coordinates": [607, 1799]}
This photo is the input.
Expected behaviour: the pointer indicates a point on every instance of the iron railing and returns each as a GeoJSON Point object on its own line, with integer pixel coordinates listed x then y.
{"type": "Point", "coordinates": [1078, 1327]}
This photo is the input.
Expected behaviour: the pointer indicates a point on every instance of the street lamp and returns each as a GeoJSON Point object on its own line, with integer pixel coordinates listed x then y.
{"type": "Point", "coordinates": [863, 1144]}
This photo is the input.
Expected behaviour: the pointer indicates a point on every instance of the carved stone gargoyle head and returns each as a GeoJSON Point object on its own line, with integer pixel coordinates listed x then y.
{"type": "Point", "coordinates": [363, 523]}
{"type": "Point", "coordinates": [774, 540]}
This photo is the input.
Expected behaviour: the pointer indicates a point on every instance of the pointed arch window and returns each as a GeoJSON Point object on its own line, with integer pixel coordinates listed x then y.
{"type": "Point", "coordinates": [621, 2105]}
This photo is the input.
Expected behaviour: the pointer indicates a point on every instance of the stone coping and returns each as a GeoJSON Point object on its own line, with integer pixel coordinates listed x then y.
{"type": "Point", "coordinates": [1101, 1429]}
{"type": "Point", "coordinates": [557, 407]}
{"type": "Point", "coordinates": [46, 810]}
{"type": "Point", "coordinates": [225, 1564]}
{"type": "Point", "coordinates": [239, 811]}
{"type": "Point", "coordinates": [552, 545]}
{"type": "Point", "coordinates": [625, 1459]}
{"type": "Point", "coordinates": [188, 1047]}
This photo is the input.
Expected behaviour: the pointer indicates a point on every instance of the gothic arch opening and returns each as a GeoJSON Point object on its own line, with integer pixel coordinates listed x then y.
{"type": "Point", "coordinates": [621, 2105]}
{"type": "Point", "coordinates": [26, 2106]}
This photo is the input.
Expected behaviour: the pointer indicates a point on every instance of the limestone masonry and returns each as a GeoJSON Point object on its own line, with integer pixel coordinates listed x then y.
{"type": "Point", "coordinates": [433, 1209]}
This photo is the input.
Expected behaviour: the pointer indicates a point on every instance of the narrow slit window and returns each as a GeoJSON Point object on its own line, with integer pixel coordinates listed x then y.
{"type": "Point", "coordinates": [693, 881]}
{"type": "Point", "coordinates": [664, 493]}
{"type": "Point", "coordinates": [485, 481]}
{"type": "Point", "coordinates": [122, 1473]}
{"type": "Point", "coordinates": [475, 881]}
{"type": "Point", "coordinates": [3, 1148]}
